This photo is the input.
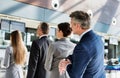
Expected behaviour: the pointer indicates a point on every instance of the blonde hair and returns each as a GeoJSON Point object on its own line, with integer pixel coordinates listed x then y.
{"type": "Point", "coordinates": [19, 49]}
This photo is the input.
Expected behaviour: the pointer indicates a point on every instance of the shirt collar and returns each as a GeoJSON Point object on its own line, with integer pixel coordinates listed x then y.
{"type": "Point", "coordinates": [84, 33]}
{"type": "Point", "coordinates": [43, 36]}
{"type": "Point", "coordinates": [64, 39]}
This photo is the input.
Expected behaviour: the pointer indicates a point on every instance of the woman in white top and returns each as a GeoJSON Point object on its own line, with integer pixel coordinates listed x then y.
{"type": "Point", "coordinates": [15, 56]}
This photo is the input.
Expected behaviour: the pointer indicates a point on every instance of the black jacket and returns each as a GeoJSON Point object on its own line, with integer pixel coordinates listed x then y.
{"type": "Point", "coordinates": [37, 58]}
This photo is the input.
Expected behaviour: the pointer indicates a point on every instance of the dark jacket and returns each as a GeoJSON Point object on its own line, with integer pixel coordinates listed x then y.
{"type": "Point", "coordinates": [37, 58]}
{"type": "Point", "coordinates": [87, 58]}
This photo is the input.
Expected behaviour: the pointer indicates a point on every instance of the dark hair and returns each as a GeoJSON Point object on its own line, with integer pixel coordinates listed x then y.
{"type": "Point", "coordinates": [81, 17]}
{"type": "Point", "coordinates": [65, 28]}
{"type": "Point", "coordinates": [44, 27]}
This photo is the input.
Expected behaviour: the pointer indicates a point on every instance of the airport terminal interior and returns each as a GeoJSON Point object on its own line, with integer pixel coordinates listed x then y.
{"type": "Point", "coordinates": [25, 15]}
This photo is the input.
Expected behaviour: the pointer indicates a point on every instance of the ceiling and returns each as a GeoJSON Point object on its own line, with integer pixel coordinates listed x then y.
{"type": "Point", "coordinates": [103, 11]}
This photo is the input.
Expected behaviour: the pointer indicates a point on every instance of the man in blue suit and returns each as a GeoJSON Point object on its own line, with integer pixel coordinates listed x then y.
{"type": "Point", "coordinates": [87, 60]}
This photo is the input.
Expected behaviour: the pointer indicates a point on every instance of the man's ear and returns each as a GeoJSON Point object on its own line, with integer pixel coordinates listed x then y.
{"type": "Point", "coordinates": [60, 31]}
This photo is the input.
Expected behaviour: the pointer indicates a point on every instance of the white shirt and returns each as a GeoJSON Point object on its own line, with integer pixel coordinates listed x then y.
{"type": "Point", "coordinates": [43, 36]}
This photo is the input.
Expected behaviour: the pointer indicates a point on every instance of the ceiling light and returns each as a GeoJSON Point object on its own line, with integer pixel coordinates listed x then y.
{"type": "Point", "coordinates": [114, 21]}
{"type": "Point", "coordinates": [90, 13]}
{"type": "Point", "coordinates": [55, 4]}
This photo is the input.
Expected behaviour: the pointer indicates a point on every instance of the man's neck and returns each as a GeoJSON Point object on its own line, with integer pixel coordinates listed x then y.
{"type": "Point", "coordinates": [82, 31]}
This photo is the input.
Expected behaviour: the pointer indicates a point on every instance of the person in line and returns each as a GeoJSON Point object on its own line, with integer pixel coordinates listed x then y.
{"type": "Point", "coordinates": [59, 50]}
{"type": "Point", "coordinates": [38, 52]}
{"type": "Point", "coordinates": [87, 60]}
{"type": "Point", "coordinates": [15, 56]}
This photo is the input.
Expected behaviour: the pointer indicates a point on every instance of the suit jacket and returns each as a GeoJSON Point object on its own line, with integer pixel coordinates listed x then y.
{"type": "Point", "coordinates": [87, 58]}
{"type": "Point", "coordinates": [37, 58]}
{"type": "Point", "coordinates": [57, 51]}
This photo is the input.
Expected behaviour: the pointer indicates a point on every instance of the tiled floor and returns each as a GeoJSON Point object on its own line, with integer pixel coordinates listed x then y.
{"type": "Point", "coordinates": [112, 74]}
{"type": "Point", "coordinates": [2, 73]}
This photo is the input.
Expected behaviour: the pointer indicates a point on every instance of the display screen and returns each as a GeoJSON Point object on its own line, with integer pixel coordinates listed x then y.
{"type": "Point", "coordinates": [17, 26]}
{"type": "Point", "coordinates": [5, 24]}
{"type": "Point", "coordinates": [12, 25]}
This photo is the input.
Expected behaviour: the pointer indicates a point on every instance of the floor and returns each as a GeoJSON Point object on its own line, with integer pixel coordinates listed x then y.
{"type": "Point", "coordinates": [113, 74]}
{"type": "Point", "coordinates": [109, 74]}
{"type": "Point", "coordinates": [2, 72]}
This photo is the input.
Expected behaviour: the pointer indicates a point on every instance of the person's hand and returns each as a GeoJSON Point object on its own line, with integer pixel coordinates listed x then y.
{"type": "Point", "coordinates": [62, 65]}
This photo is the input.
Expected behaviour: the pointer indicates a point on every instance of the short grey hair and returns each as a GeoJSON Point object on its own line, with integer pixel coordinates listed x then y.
{"type": "Point", "coordinates": [82, 18]}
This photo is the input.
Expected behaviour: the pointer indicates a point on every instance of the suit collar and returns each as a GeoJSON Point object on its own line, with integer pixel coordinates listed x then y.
{"type": "Point", "coordinates": [88, 36]}
{"type": "Point", "coordinates": [63, 39]}
{"type": "Point", "coordinates": [45, 35]}
{"type": "Point", "coordinates": [84, 33]}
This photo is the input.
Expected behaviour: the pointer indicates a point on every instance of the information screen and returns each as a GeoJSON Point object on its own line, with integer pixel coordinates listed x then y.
{"type": "Point", "coordinates": [17, 26]}
{"type": "Point", "coordinates": [5, 24]}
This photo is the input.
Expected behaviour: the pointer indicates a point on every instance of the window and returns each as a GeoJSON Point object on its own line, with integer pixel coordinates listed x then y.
{"type": "Point", "coordinates": [52, 31]}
